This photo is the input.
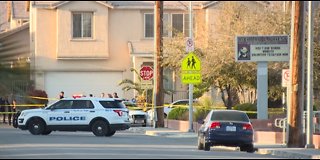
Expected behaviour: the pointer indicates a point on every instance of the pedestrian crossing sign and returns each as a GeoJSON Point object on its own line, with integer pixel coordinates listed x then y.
{"type": "Point", "coordinates": [191, 63]}
{"type": "Point", "coordinates": [191, 69]}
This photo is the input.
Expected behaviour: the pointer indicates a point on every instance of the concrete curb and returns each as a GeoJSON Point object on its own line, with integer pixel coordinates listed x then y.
{"type": "Point", "coordinates": [287, 154]}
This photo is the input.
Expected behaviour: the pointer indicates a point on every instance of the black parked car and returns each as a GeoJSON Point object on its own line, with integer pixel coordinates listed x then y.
{"type": "Point", "coordinates": [227, 128]}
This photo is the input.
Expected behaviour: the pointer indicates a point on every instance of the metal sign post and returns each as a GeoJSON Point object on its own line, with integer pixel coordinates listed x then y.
{"type": "Point", "coordinates": [190, 85]}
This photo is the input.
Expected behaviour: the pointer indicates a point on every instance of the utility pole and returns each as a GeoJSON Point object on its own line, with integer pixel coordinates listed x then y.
{"type": "Point", "coordinates": [309, 116]}
{"type": "Point", "coordinates": [296, 65]}
{"type": "Point", "coordinates": [158, 86]}
{"type": "Point", "coordinates": [190, 85]}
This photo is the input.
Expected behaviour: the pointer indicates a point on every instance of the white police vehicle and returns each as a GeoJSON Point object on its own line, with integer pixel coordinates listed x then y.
{"type": "Point", "coordinates": [102, 116]}
{"type": "Point", "coordinates": [136, 114]}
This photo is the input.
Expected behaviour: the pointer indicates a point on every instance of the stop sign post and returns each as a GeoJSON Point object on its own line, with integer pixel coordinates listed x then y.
{"type": "Point", "coordinates": [146, 73]}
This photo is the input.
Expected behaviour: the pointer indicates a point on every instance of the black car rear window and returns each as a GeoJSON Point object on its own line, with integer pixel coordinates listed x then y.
{"type": "Point", "coordinates": [112, 104]}
{"type": "Point", "coordinates": [229, 116]}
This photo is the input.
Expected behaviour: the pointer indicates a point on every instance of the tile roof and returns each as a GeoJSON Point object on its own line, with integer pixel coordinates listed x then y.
{"type": "Point", "coordinates": [19, 12]}
{"type": "Point", "coordinates": [150, 4]}
{"type": "Point", "coordinates": [131, 4]}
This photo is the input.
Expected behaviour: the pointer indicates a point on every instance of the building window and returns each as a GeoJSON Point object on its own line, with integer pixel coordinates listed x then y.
{"type": "Point", "coordinates": [186, 25]}
{"type": "Point", "coordinates": [180, 24]}
{"type": "Point", "coordinates": [82, 25]}
{"type": "Point", "coordinates": [148, 25]}
{"type": "Point", "coordinates": [166, 25]}
{"type": "Point", "coordinates": [177, 24]}
{"type": "Point", "coordinates": [168, 83]}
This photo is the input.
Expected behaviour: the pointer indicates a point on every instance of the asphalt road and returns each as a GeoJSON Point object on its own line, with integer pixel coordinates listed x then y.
{"type": "Point", "coordinates": [16, 144]}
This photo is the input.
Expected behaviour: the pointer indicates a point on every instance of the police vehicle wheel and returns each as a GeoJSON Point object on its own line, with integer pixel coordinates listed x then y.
{"type": "Point", "coordinates": [15, 121]}
{"type": "Point", "coordinates": [36, 126]}
{"type": "Point", "coordinates": [144, 123]}
{"type": "Point", "coordinates": [47, 132]}
{"type": "Point", "coordinates": [111, 133]}
{"type": "Point", "coordinates": [100, 128]}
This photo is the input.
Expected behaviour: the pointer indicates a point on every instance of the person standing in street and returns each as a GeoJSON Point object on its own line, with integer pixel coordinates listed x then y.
{"type": "Point", "coordinates": [6, 105]}
{"type": "Point", "coordinates": [61, 95]}
{"type": "Point", "coordinates": [11, 108]}
{"type": "Point", "coordinates": [110, 95]}
{"type": "Point", "coordinates": [115, 95]}
{"type": "Point", "coordinates": [2, 108]}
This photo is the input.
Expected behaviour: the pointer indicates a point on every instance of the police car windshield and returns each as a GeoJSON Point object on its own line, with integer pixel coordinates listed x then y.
{"type": "Point", "coordinates": [112, 104]}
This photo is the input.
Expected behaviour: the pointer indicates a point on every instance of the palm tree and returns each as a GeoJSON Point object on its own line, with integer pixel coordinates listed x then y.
{"type": "Point", "coordinates": [137, 86]}
{"type": "Point", "coordinates": [129, 84]}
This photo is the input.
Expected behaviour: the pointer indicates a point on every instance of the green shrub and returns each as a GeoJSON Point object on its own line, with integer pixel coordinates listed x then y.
{"type": "Point", "coordinates": [246, 107]}
{"type": "Point", "coordinates": [252, 115]}
{"type": "Point", "coordinates": [179, 113]}
{"type": "Point", "coordinates": [200, 114]}
{"type": "Point", "coordinates": [316, 106]}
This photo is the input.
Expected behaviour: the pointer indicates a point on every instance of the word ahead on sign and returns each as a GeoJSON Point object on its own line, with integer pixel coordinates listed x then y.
{"type": "Point", "coordinates": [146, 73]}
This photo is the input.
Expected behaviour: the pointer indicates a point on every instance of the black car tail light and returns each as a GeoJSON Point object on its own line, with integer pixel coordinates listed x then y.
{"type": "Point", "coordinates": [247, 126]}
{"type": "Point", "coordinates": [215, 125]}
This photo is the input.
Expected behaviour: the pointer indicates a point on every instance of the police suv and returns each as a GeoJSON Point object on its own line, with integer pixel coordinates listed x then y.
{"type": "Point", "coordinates": [102, 116]}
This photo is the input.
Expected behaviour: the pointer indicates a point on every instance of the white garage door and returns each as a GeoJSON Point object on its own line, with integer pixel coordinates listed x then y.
{"type": "Point", "coordinates": [82, 83]}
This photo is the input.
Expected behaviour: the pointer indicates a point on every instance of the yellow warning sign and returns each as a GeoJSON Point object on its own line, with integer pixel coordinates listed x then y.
{"type": "Point", "coordinates": [191, 69]}
{"type": "Point", "coordinates": [191, 63]}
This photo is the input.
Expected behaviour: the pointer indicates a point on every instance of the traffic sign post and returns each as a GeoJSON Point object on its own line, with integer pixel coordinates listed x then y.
{"type": "Point", "coordinates": [285, 77]}
{"type": "Point", "coordinates": [146, 73]}
{"type": "Point", "coordinates": [189, 45]}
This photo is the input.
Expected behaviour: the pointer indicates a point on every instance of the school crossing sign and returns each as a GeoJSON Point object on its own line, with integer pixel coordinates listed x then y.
{"type": "Point", "coordinates": [191, 69]}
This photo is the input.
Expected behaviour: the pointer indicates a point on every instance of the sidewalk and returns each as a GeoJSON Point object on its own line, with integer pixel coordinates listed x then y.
{"type": "Point", "coordinates": [272, 149]}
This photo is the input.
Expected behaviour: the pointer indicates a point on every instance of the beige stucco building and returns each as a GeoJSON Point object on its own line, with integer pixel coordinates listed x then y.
{"type": "Point", "coordinates": [88, 47]}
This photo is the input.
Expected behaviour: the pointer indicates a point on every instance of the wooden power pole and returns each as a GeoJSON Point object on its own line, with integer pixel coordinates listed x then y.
{"type": "Point", "coordinates": [159, 70]}
{"type": "Point", "coordinates": [296, 138]}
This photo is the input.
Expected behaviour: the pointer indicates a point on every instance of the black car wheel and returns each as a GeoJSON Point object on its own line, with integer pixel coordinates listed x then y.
{"type": "Point", "coordinates": [200, 144]}
{"type": "Point", "coordinates": [36, 126]}
{"type": "Point", "coordinates": [100, 128]}
{"type": "Point", "coordinates": [47, 132]}
{"type": "Point", "coordinates": [247, 148]}
{"type": "Point", "coordinates": [206, 145]}
{"type": "Point", "coordinates": [111, 133]}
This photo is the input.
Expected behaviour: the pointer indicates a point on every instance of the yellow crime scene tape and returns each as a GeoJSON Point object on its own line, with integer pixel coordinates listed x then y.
{"type": "Point", "coordinates": [147, 106]}
{"type": "Point", "coordinates": [8, 113]}
{"type": "Point", "coordinates": [25, 105]}
{"type": "Point", "coordinates": [43, 98]}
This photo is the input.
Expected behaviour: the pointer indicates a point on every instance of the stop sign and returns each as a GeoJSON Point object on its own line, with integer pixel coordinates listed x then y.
{"type": "Point", "coordinates": [146, 73]}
